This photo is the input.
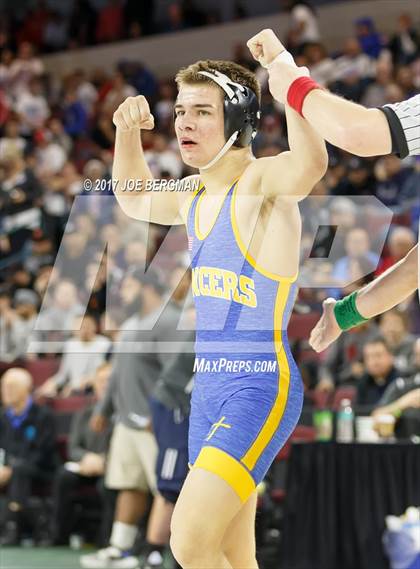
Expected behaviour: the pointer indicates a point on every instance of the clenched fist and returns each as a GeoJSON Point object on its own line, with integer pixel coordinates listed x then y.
{"type": "Point", "coordinates": [133, 113]}
{"type": "Point", "coordinates": [265, 46]}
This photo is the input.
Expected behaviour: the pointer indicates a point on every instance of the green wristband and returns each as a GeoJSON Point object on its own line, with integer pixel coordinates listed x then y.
{"type": "Point", "coordinates": [346, 313]}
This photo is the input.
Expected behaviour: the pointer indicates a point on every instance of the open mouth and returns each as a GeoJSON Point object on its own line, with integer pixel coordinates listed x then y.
{"type": "Point", "coordinates": [187, 143]}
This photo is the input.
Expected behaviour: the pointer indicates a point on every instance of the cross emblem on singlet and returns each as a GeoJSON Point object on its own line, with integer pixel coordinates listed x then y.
{"type": "Point", "coordinates": [216, 426]}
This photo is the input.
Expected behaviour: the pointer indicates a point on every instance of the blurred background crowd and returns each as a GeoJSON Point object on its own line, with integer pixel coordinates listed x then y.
{"type": "Point", "coordinates": [57, 133]}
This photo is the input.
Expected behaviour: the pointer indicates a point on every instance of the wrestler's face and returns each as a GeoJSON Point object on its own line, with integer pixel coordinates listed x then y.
{"type": "Point", "coordinates": [199, 123]}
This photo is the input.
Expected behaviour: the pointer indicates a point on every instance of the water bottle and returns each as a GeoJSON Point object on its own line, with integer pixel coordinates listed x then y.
{"type": "Point", "coordinates": [345, 420]}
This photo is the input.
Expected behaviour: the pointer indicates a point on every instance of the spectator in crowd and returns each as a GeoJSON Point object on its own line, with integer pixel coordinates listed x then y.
{"type": "Point", "coordinates": [141, 15]}
{"type": "Point", "coordinates": [12, 144]}
{"type": "Point", "coordinates": [6, 319]}
{"type": "Point", "coordinates": [56, 319]}
{"type": "Point", "coordinates": [353, 70]}
{"type": "Point", "coordinates": [170, 405]}
{"type": "Point", "coordinates": [82, 355]}
{"type": "Point", "coordinates": [133, 450]}
{"type": "Point", "coordinates": [357, 182]}
{"type": "Point", "coordinates": [75, 255]}
{"type": "Point", "coordinates": [33, 26]}
{"type": "Point", "coordinates": [75, 118]}
{"type": "Point", "coordinates": [17, 323]}
{"type": "Point", "coordinates": [343, 214]}
{"type": "Point", "coordinates": [344, 361]}
{"type": "Point", "coordinates": [103, 133]}
{"type": "Point", "coordinates": [82, 24]}
{"type": "Point", "coordinates": [24, 68]}
{"type": "Point", "coordinates": [393, 327]}
{"type": "Point", "coordinates": [110, 22]}
{"type": "Point", "coordinates": [353, 62]}
{"type": "Point", "coordinates": [95, 288]}
{"type": "Point", "coordinates": [32, 107]}
{"type": "Point", "coordinates": [357, 248]}
{"type": "Point", "coordinates": [20, 192]}
{"type": "Point", "coordinates": [400, 242]}
{"type": "Point", "coordinates": [405, 43]}
{"type": "Point", "coordinates": [49, 154]}
{"type": "Point", "coordinates": [119, 92]}
{"type": "Point", "coordinates": [135, 254]}
{"type": "Point", "coordinates": [320, 65]}
{"type": "Point", "coordinates": [86, 91]}
{"type": "Point", "coordinates": [55, 36]}
{"type": "Point", "coordinates": [391, 176]}
{"type": "Point", "coordinates": [380, 372]}
{"type": "Point", "coordinates": [369, 39]}
{"type": "Point", "coordinates": [38, 253]}
{"type": "Point", "coordinates": [86, 454]}
{"type": "Point", "coordinates": [376, 93]}
{"type": "Point", "coordinates": [6, 60]}
{"type": "Point", "coordinates": [58, 135]}
{"type": "Point", "coordinates": [27, 440]}
{"type": "Point", "coordinates": [402, 399]}
{"type": "Point", "coordinates": [163, 159]}
{"type": "Point", "coordinates": [303, 26]}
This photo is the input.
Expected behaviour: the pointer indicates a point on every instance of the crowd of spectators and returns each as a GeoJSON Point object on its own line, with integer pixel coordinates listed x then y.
{"type": "Point", "coordinates": [57, 135]}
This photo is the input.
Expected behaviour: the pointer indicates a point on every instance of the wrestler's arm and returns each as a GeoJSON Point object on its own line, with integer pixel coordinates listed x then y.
{"type": "Point", "coordinates": [390, 288]}
{"type": "Point", "coordinates": [291, 175]}
{"type": "Point", "coordinates": [361, 131]}
{"type": "Point", "coordinates": [130, 167]}
{"type": "Point", "coordinates": [382, 294]}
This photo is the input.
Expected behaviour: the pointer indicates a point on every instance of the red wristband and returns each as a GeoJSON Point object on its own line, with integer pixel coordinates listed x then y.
{"type": "Point", "coordinates": [298, 91]}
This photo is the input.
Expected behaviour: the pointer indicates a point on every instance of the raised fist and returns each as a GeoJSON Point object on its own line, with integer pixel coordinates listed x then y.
{"type": "Point", "coordinates": [134, 112]}
{"type": "Point", "coordinates": [265, 46]}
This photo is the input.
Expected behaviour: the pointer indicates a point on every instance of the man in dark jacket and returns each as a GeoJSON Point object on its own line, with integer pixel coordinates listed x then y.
{"type": "Point", "coordinates": [86, 466]}
{"type": "Point", "coordinates": [27, 448]}
{"type": "Point", "coordinates": [380, 372]}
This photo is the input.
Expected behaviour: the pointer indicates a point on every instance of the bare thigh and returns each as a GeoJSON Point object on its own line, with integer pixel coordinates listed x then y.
{"type": "Point", "coordinates": [238, 543]}
{"type": "Point", "coordinates": [204, 510]}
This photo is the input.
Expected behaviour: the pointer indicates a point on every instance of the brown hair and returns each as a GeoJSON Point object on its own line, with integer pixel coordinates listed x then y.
{"type": "Point", "coordinates": [236, 72]}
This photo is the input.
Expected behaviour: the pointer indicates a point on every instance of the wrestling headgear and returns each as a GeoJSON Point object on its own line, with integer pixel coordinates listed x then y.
{"type": "Point", "coordinates": [241, 112]}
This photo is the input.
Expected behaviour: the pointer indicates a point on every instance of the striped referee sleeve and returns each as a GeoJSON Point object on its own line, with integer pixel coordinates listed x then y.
{"type": "Point", "coordinates": [404, 123]}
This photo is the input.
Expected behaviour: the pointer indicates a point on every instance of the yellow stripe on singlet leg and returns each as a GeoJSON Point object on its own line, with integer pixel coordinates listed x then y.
{"type": "Point", "coordinates": [277, 411]}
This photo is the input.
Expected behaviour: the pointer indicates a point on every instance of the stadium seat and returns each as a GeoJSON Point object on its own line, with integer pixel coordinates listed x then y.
{"type": "Point", "coordinates": [300, 325]}
{"type": "Point", "coordinates": [320, 399]}
{"type": "Point", "coordinates": [69, 404]}
{"type": "Point", "coordinates": [345, 392]}
{"type": "Point", "coordinates": [42, 369]}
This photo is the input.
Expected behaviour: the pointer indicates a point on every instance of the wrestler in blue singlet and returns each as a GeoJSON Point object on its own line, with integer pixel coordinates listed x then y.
{"type": "Point", "coordinates": [248, 392]}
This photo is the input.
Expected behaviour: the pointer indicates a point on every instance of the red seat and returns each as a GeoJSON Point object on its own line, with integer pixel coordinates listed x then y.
{"type": "Point", "coordinates": [69, 404]}
{"type": "Point", "coordinates": [303, 433]}
{"type": "Point", "coordinates": [300, 325]}
{"type": "Point", "coordinates": [278, 495]}
{"type": "Point", "coordinates": [320, 399]}
{"type": "Point", "coordinates": [42, 369]}
{"type": "Point", "coordinates": [346, 392]}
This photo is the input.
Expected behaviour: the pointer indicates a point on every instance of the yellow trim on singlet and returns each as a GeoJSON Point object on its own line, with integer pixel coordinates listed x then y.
{"type": "Point", "coordinates": [275, 416]}
{"type": "Point", "coordinates": [229, 469]}
{"type": "Point", "coordinates": [245, 251]}
{"type": "Point", "coordinates": [191, 198]}
{"type": "Point", "coordinates": [197, 231]}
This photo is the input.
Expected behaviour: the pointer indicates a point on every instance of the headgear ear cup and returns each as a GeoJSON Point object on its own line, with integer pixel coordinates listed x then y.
{"type": "Point", "coordinates": [241, 113]}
